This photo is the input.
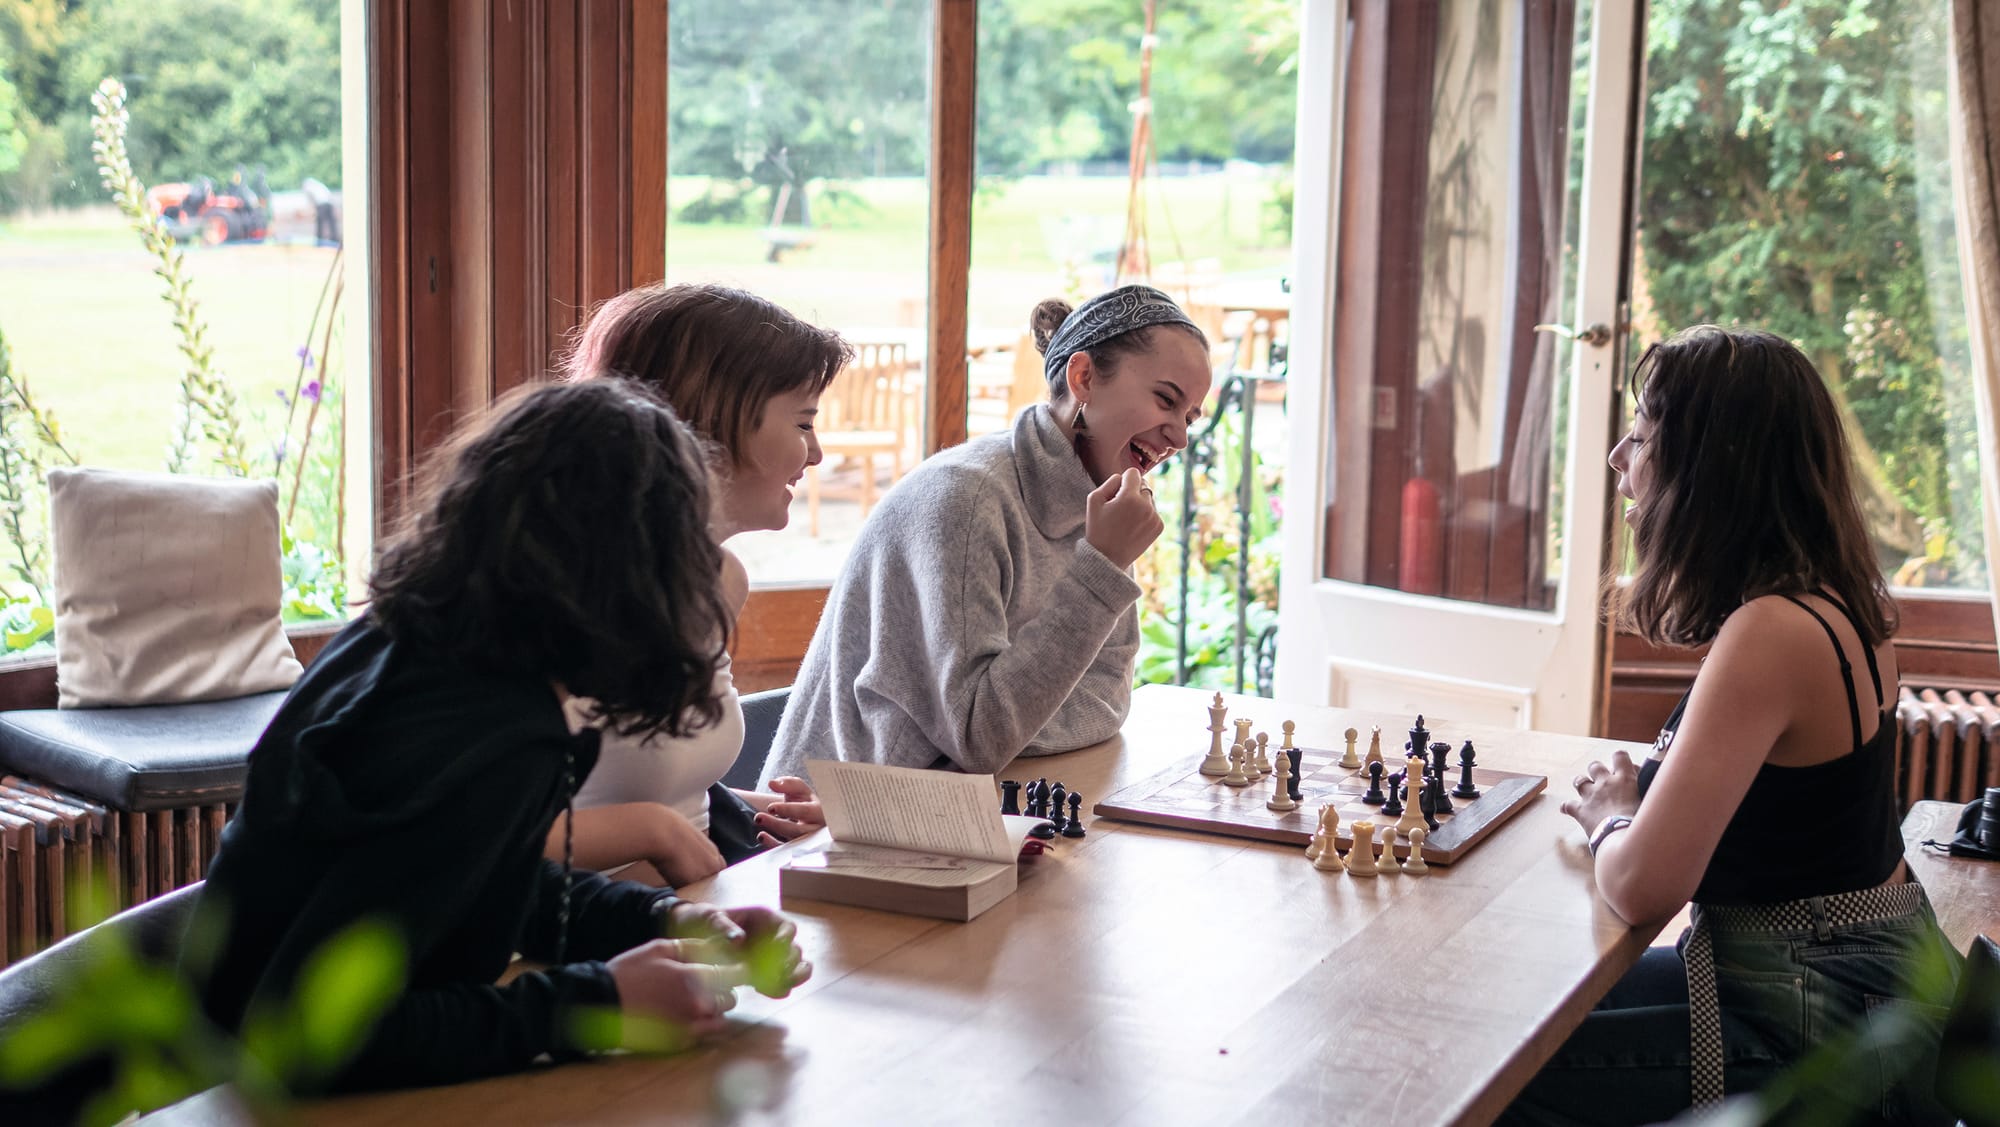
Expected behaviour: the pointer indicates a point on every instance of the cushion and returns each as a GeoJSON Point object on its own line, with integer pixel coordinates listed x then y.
{"type": "Point", "coordinates": [166, 588]}
{"type": "Point", "coordinates": [149, 758]}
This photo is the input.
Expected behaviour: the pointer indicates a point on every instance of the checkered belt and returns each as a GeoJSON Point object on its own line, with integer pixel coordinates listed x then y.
{"type": "Point", "coordinates": [1817, 914]}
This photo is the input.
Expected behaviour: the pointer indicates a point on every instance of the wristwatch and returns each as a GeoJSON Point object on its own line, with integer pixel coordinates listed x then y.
{"type": "Point", "coordinates": [1606, 828]}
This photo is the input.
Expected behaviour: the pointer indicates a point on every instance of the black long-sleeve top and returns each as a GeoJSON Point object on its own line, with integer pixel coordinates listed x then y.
{"type": "Point", "coordinates": [393, 786]}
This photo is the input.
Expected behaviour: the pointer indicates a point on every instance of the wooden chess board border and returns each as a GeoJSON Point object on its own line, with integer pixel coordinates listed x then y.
{"type": "Point", "coordinates": [1503, 794]}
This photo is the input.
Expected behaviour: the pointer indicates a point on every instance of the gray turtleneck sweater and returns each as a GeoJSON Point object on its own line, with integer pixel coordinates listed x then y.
{"type": "Point", "coordinates": [971, 623]}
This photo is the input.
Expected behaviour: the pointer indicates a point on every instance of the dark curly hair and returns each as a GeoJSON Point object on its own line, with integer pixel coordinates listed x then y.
{"type": "Point", "coordinates": [716, 354]}
{"type": "Point", "coordinates": [565, 536]}
{"type": "Point", "coordinates": [1751, 490]}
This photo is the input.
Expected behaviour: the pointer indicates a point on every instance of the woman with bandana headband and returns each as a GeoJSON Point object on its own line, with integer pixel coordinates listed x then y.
{"type": "Point", "coordinates": [988, 607]}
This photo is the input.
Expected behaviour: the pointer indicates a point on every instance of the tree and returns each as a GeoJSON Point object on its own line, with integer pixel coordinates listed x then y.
{"type": "Point", "coordinates": [1782, 188]}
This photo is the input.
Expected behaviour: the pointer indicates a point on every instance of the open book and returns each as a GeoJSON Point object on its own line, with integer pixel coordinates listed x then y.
{"type": "Point", "coordinates": [929, 843]}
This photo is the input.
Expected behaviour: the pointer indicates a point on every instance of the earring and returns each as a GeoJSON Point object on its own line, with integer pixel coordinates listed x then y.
{"type": "Point", "coordinates": [1076, 420]}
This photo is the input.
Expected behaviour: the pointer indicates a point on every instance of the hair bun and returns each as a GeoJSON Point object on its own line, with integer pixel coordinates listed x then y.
{"type": "Point", "coordinates": [1045, 320]}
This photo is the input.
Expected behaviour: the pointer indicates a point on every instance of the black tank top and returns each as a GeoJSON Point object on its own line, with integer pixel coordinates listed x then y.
{"type": "Point", "coordinates": [1807, 831]}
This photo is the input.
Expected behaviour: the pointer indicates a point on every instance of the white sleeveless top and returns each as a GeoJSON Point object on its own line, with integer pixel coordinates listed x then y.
{"type": "Point", "coordinates": [659, 768]}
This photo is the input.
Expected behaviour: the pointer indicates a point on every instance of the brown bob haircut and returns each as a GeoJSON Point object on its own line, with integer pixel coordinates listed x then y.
{"type": "Point", "coordinates": [1752, 489]}
{"type": "Point", "coordinates": [563, 538]}
{"type": "Point", "coordinates": [717, 355]}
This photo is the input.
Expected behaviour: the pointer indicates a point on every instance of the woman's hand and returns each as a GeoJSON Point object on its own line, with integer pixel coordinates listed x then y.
{"type": "Point", "coordinates": [794, 812]}
{"type": "Point", "coordinates": [669, 981]}
{"type": "Point", "coordinates": [761, 941]}
{"type": "Point", "coordinates": [1603, 790]}
{"type": "Point", "coordinates": [680, 851]}
{"type": "Point", "coordinates": [1120, 521]}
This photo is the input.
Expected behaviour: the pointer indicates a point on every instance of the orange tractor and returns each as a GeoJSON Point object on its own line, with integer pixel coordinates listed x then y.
{"type": "Point", "coordinates": [200, 211]}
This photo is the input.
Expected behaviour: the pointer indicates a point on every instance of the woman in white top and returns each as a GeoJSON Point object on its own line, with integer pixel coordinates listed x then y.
{"type": "Point", "coordinates": [746, 375]}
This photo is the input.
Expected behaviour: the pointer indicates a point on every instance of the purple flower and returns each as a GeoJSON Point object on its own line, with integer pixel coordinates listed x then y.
{"type": "Point", "coordinates": [310, 392]}
{"type": "Point", "coordinates": [278, 451]}
{"type": "Point", "coordinates": [304, 352]}
{"type": "Point", "coordinates": [282, 397]}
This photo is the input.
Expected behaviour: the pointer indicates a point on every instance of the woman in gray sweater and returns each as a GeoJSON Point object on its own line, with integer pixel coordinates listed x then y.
{"type": "Point", "coordinates": [987, 609]}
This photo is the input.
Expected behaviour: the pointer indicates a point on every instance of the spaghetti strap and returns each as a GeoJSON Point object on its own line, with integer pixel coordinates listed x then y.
{"type": "Point", "coordinates": [1846, 667]}
{"type": "Point", "coordinates": [1874, 671]}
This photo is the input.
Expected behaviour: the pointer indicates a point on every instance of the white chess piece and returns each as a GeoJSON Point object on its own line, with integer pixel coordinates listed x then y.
{"type": "Point", "coordinates": [1327, 860]}
{"type": "Point", "coordinates": [1215, 762]}
{"type": "Point", "coordinates": [1348, 759]}
{"type": "Point", "coordinates": [1319, 838]}
{"type": "Point", "coordinates": [1361, 855]}
{"type": "Point", "coordinates": [1413, 814]}
{"type": "Point", "coordinates": [1414, 863]}
{"type": "Point", "coordinates": [1263, 753]}
{"type": "Point", "coordinates": [1387, 865]}
{"type": "Point", "coordinates": [1374, 748]}
{"type": "Point", "coordinates": [1237, 776]}
{"type": "Point", "coordinates": [1281, 791]}
{"type": "Point", "coordinates": [1244, 737]}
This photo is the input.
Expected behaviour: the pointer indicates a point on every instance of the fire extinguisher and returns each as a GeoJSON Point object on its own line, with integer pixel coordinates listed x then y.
{"type": "Point", "coordinates": [1420, 563]}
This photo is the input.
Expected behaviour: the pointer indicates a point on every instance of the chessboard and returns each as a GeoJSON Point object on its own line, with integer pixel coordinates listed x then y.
{"type": "Point", "coordinates": [1184, 798]}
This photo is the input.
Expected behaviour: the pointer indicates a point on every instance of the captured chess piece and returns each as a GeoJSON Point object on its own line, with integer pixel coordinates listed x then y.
{"type": "Point", "coordinates": [1387, 865]}
{"type": "Point", "coordinates": [1057, 796]}
{"type": "Point", "coordinates": [1414, 863]}
{"type": "Point", "coordinates": [1324, 852]}
{"type": "Point", "coordinates": [1361, 855]}
{"type": "Point", "coordinates": [1010, 796]}
{"type": "Point", "coordinates": [1374, 797]}
{"type": "Point", "coordinates": [1038, 798]}
{"type": "Point", "coordinates": [1348, 759]}
{"type": "Point", "coordinates": [1215, 762]}
{"type": "Point", "coordinates": [1465, 789]}
{"type": "Point", "coordinates": [1075, 826]}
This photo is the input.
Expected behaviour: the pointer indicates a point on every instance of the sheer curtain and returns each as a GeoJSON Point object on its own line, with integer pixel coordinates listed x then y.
{"type": "Point", "coordinates": [1975, 33]}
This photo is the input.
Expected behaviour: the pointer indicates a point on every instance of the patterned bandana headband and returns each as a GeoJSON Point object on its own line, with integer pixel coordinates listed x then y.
{"type": "Point", "coordinates": [1108, 315]}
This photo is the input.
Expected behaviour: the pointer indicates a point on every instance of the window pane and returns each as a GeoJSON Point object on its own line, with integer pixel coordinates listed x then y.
{"type": "Point", "coordinates": [1796, 178]}
{"type": "Point", "coordinates": [244, 359]}
{"type": "Point", "coordinates": [798, 137]}
{"type": "Point", "coordinates": [1059, 214]}
{"type": "Point", "coordinates": [1448, 401]}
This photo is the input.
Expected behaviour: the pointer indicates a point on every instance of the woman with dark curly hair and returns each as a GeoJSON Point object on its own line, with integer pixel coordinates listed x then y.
{"type": "Point", "coordinates": [746, 375]}
{"type": "Point", "coordinates": [1769, 799]}
{"type": "Point", "coordinates": [559, 549]}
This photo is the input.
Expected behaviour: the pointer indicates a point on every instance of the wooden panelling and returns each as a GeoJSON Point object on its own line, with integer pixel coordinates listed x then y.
{"type": "Point", "coordinates": [772, 636]}
{"type": "Point", "coordinates": [954, 111]}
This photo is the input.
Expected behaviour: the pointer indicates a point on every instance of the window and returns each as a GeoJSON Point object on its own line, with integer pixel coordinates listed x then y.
{"type": "Point", "coordinates": [225, 343]}
{"type": "Point", "coordinates": [1796, 177]}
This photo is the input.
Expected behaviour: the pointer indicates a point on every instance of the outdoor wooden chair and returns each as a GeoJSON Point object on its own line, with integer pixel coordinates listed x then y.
{"type": "Point", "coordinates": [865, 414]}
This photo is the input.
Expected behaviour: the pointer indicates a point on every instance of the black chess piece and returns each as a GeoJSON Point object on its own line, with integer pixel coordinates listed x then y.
{"type": "Point", "coordinates": [1053, 811]}
{"type": "Point", "coordinates": [1392, 806]}
{"type": "Point", "coordinates": [1374, 797]}
{"type": "Point", "coordinates": [1042, 830]}
{"type": "Point", "coordinates": [1298, 758]}
{"type": "Point", "coordinates": [1010, 796]}
{"type": "Point", "coordinates": [1440, 758]}
{"type": "Point", "coordinates": [1427, 805]}
{"type": "Point", "coordinates": [1038, 798]}
{"type": "Point", "coordinates": [1465, 789]}
{"type": "Point", "coordinates": [1075, 827]}
{"type": "Point", "coordinates": [1420, 736]}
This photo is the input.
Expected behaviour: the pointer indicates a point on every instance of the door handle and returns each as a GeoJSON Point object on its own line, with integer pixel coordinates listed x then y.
{"type": "Point", "coordinates": [1596, 333]}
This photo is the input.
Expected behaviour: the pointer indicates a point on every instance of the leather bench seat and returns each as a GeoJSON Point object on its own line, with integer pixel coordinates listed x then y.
{"type": "Point", "coordinates": [152, 757]}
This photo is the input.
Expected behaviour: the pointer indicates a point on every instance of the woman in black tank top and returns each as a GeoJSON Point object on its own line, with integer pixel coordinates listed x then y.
{"type": "Point", "coordinates": [1768, 800]}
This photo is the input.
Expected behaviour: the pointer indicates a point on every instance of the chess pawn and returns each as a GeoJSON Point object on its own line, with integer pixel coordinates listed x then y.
{"type": "Point", "coordinates": [1374, 747]}
{"type": "Point", "coordinates": [1387, 865]}
{"type": "Point", "coordinates": [1075, 826]}
{"type": "Point", "coordinates": [1361, 855]}
{"type": "Point", "coordinates": [1348, 759]}
{"type": "Point", "coordinates": [1327, 859]}
{"type": "Point", "coordinates": [1215, 763]}
{"type": "Point", "coordinates": [1236, 776]}
{"type": "Point", "coordinates": [1281, 791]}
{"type": "Point", "coordinates": [1414, 863]}
{"type": "Point", "coordinates": [1263, 754]}
{"type": "Point", "coordinates": [1413, 814]}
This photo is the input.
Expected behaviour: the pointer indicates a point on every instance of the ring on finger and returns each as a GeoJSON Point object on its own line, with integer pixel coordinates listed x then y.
{"type": "Point", "coordinates": [1580, 780]}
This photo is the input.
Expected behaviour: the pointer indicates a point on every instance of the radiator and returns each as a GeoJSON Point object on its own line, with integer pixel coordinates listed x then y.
{"type": "Point", "coordinates": [55, 845]}
{"type": "Point", "coordinates": [1945, 745]}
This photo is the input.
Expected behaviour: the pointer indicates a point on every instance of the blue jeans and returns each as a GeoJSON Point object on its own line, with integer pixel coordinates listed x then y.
{"type": "Point", "coordinates": [1781, 995]}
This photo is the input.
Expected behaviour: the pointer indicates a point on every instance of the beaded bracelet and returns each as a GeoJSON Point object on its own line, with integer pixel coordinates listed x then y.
{"type": "Point", "coordinates": [1606, 828]}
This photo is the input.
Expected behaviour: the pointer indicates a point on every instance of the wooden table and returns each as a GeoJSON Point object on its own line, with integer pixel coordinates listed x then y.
{"type": "Point", "coordinates": [1140, 976]}
{"type": "Point", "coordinates": [1964, 892]}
